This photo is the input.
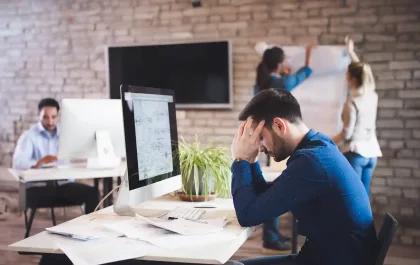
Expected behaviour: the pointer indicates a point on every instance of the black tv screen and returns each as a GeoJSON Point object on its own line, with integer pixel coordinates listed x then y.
{"type": "Point", "coordinates": [199, 73]}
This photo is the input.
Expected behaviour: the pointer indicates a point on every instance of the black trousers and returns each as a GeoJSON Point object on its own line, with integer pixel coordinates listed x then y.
{"type": "Point", "coordinates": [59, 259]}
{"type": "Point", "coordinates": [62, 195]}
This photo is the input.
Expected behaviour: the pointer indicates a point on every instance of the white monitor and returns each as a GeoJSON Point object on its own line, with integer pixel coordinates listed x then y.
{"type": "Point", "coordinates": [92, 129]}
{"type": "Point", "coordinates": [153, 167]}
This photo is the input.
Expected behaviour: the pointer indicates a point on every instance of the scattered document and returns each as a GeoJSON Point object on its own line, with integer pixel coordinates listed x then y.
{"type": "Point", "coordinates": [86, 232]}
{"type": "Point", "coordinates": [141, 230]}
{"type": "Point", "coordinates": [104, 250]}
{"type": "Point", "coordinates": [221, 221]}
{"type": "Point", "coordinates": [184, 227]}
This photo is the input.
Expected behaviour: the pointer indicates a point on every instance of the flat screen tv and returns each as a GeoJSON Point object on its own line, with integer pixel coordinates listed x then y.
{"type": "Point", "coordinates": [200, 73]}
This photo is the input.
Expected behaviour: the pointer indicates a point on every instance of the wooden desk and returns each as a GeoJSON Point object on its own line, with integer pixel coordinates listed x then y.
{"type": "Point", "coordinates": [210, 254]}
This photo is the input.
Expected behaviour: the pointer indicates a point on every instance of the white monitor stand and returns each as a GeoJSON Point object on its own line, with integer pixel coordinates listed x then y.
{"type": "Point", "coordinates": [122, 204]}
{"type": "Point", "coordinates": [106, 155]}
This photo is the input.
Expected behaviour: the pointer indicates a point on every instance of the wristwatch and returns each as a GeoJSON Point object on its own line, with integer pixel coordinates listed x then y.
{"type": "Point", "coordinates": [237, 159]}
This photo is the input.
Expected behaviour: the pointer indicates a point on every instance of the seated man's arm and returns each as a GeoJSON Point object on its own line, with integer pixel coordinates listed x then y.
{"type": "Point", "coordinates": [23, 155]}
{"type": "Point", "coordinates": [258, 181]}
{"type": "Point", "coordinates": [302, 180]}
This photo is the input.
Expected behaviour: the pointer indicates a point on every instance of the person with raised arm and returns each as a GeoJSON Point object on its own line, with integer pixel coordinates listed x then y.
{"type": "Point", "coordinates": [357, 139]}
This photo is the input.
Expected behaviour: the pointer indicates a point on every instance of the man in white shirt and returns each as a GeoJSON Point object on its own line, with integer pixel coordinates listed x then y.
{"type": "Point", "coordinates": [39, 146]}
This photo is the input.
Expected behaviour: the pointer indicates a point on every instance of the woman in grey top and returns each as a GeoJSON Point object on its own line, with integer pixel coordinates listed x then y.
{"type": "Point", "coordinates": [357, 140]}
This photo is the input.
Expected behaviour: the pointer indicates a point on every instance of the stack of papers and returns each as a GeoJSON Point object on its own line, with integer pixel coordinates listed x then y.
{"type": "Point", "coordinates": [174, 234]}
{"type": "Point", "coordinates": [103, 241]}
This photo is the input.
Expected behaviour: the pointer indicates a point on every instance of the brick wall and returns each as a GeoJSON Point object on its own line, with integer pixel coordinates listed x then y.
{"type": "Point", "coordinates": [56, 48]}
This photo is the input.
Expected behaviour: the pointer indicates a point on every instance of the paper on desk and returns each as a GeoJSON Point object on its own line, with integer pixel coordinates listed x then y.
{"type": "Point", "coordinates": [142, 230]}
{"type": "Point", "coordinates": [87, 231]}
{"type": "Point", "coordinates": [104, 250]}
{"type": "Point", "coordinates": [184, 227]}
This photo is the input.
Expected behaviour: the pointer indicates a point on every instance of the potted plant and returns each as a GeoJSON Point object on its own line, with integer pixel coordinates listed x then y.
{"type": "Point", "coordinates": [205, 171]}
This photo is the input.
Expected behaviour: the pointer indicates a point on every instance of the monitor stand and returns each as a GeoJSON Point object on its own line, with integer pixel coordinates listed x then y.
{"type": "Point", "coordinates": [122, 205]}
{"type": "Point", "coordinates": [106, 157]}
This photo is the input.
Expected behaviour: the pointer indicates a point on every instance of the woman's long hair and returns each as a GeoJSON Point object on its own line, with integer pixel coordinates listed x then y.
{"type": "Point", "coordinates": [363, 75]}
{"type": "Point", "coordinates": [270, 61]}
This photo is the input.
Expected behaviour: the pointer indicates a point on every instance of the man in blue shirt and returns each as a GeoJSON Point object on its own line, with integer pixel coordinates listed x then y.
{"type": "Point", "coordinates": [273, 72]}
{"type": "Point", "coordinates": [318, 186]}
{"type": "Point", "coordinates": [37, 148]}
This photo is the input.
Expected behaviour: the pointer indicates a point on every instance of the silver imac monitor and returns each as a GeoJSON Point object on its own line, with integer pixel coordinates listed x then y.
{"type": "Point", "coordinates": [150, 128]}
{"type": "Point", "coordinates": [92, 129]}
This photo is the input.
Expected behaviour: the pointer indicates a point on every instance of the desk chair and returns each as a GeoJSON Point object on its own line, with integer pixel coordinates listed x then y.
{"type": "Point", "coordinates": [26, 204]}
{"type": "Point", "coordinates": [385, 237]}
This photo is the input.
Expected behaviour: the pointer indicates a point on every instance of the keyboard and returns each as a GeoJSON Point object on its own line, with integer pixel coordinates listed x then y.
{"type": "Point", "coordinates": [185, 213]}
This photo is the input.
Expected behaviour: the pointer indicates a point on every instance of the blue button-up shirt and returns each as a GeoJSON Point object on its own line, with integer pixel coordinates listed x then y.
{"type": "Point", "coordinates": [33, 145]}
{"type": "Point", "coordinates": [323, 192]}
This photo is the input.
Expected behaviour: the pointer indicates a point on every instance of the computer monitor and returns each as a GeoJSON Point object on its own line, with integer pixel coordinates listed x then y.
{"type": "Point", "coordinates": [92, 129]}
{"type": "Point", "coordinates": [151, 140]}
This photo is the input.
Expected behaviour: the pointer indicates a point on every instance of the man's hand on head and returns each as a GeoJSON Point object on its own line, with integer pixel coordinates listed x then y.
{"type": "Point", "coordinates": [245, 144]}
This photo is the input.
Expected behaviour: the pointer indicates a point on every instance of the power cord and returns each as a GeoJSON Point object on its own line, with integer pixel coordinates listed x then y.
{"type": "Point", "coordinates": [106, 196]}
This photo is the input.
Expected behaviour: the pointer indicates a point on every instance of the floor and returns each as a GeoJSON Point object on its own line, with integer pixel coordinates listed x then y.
{"type": "Point", "coordinates": [12, 230]}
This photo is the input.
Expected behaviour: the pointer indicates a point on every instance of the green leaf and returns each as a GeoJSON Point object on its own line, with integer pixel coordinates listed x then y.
{"type": "Point", "coordinates": [205, 170]}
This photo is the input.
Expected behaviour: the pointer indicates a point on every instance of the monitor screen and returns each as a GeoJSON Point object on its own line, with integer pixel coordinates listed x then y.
{"type": "Point", "coordinates": [198, 73]}
{"type": "Point", "coordinates": [150, 135]}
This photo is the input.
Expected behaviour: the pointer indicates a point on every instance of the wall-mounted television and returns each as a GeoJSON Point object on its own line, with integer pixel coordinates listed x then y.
{"type": "Point", "coordinates": [200, 73]}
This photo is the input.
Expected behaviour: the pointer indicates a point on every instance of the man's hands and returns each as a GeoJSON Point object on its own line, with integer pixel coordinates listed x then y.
{"type": "Point", "coordinates": [45, 160]}
{"type": "Point", "coordinates": [245, 144]}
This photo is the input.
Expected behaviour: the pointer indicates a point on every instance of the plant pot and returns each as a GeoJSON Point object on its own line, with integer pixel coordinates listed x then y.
{"type": "Point", "coordinates": [189, 185]}
{"type": "Point", "coordinates": [196, 198]}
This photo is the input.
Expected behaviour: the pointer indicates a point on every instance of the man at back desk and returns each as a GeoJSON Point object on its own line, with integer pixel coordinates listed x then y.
{"type": "Point", "coordinates": [318, 186]}
{"type": "Point", "coordinates": [39, 146]}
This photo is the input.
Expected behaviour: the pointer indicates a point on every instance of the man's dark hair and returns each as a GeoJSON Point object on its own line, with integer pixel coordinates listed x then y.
{"type": "Point", "coordinates": [271, 103]}
{"type": "Point", "coordinates": [48, 102]}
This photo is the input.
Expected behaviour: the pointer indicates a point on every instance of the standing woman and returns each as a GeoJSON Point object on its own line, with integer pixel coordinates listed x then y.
{"type": "Point", "coordinates": [272, 72]}
{"type": "Point", "coordinates": [357, 140]}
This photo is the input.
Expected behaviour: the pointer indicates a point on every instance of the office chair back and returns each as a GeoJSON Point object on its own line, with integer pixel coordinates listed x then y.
{"type": "Point", "coordinates": [385, 237]}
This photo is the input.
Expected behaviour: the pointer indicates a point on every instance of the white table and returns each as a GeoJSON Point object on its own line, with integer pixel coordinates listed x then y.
{"type": "Point", "coordinates": [73, 171]}
{"type": "Point", "coordinates": [210, 254]}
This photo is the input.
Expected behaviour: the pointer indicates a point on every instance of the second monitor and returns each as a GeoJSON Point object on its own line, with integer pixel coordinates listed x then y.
{"type": "Point", "coordinates": [92, 129]}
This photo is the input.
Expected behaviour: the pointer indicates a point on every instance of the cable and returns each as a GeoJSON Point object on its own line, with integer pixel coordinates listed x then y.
{"type": "Point", "coordinates": [106, 196]}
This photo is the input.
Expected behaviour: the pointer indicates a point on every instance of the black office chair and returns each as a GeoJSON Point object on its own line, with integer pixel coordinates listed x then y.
{"type": "Point", "coordinates": [385, 237]}
{"type": "Point", "coordinates": [33, 206]}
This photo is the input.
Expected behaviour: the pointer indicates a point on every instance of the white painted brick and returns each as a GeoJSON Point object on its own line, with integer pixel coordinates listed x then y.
{"type": "Point", "coordinates": [397, 65]}
{"type": "Point", "coordinates": [403, 172]}
{"type": "Point", "coordinates": [82, 74]}
{"type": "Point", "coordinates": [411, 193]}
{"type": "Point", "coordinates": [409, 94]}
{"type": "Point", "coordinates": [390, 103]}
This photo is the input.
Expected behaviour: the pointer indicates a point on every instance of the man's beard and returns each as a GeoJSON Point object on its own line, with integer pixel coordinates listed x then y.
{"type": "Point", "coordinates": [281, 150]}
{"type": "Point", "coordinates": [50, 128]}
